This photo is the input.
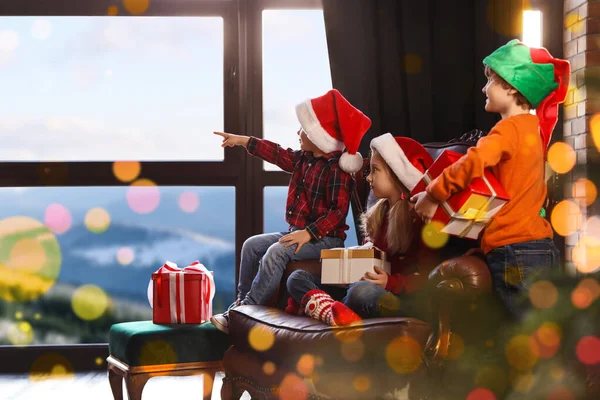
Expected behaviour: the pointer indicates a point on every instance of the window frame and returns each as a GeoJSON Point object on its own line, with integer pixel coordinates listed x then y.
{"type": "Point", "coordinates": [243, 113]}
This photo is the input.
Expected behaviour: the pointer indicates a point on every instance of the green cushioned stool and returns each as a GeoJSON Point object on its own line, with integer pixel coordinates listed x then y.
{"type": "Point", "coordinates": [141, 350]}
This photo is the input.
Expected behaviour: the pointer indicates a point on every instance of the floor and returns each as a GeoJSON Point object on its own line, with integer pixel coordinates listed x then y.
{"type": "Point", "coordinates": [94, 386]}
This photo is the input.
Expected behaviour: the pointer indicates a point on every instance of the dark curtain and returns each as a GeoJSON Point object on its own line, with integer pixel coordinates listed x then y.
{"type": "Point", "coordinates": [415, 66]}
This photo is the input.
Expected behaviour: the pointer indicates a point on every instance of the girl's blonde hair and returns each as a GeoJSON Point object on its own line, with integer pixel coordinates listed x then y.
{"type": "Point", "coordinates": [399, 234]}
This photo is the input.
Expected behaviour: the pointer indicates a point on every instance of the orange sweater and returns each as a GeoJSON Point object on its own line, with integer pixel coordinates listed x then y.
{"type": "Point", "coordinates": [513, 149]}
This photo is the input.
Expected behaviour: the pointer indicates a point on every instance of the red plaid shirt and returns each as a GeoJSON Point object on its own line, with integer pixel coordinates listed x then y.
{"type": "Point", "coordinates": [319, 191]}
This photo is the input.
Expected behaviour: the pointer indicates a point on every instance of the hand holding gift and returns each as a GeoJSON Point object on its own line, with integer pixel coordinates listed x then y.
{"type": "Point", "coordinates": [348, 265]}
{"type": "Point", "coordinates": [466, 213]}
{"type": "Point", "coordinates": [379, 277]}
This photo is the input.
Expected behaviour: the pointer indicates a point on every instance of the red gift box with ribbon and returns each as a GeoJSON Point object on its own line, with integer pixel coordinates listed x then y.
{"type": "Point", "coordinates": [465, 214]}
{"type": "Point", "coordinates": [181, 296]}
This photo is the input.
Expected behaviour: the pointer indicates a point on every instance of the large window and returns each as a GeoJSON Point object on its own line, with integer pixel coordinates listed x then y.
{"type": "Point", "coordinates": [73, 261]}
{"type": "Point", "coordinates": [108, 165]}
{"type": "Point", "coordinates": [295, 68]}
{"type": "Point", "coordinates": [111, 88]}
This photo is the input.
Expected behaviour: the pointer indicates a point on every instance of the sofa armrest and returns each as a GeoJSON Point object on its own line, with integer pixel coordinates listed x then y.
{"type": "Point", "coordinates": [464, 276]}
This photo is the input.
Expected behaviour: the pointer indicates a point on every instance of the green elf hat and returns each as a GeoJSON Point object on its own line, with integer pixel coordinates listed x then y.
{"type": "Point", "coordinates": [541, 78]}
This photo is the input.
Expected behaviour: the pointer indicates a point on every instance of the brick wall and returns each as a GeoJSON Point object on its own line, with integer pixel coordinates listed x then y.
{"type": "Point", "coordinates": [582, 49]}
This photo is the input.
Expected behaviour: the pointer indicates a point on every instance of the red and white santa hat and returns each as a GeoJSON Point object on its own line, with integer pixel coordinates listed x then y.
{"type": "Point", "coordinates": [332, 124]}
{"type": "Point", "coordinates": [406, 157]}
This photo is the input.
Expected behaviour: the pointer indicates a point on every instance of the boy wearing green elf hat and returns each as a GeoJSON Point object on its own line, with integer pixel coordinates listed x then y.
{"type": "Point", "coordinates": [518, 241]}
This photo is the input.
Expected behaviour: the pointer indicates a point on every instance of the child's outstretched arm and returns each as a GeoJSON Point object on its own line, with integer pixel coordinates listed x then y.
{"type": "Point", "coordinates": [338, 190]}
{"type": "Point", "coordinates": [271, 152]}
{"type": "Point", "coordinates": [499, 144]}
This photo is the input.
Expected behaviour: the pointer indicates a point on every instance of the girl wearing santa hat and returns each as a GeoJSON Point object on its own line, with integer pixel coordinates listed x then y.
{"type": "Point", "coordinates": [397, 165]}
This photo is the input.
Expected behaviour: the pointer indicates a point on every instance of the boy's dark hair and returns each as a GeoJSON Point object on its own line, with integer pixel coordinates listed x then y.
{"type": "Point", "coordinates": [521, 100]}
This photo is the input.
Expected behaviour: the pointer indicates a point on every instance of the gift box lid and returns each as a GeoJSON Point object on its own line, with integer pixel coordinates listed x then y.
{"type": "Point", "coordinates": [352, 253]}
{"type": "Point", "coordinates": [187, 275]}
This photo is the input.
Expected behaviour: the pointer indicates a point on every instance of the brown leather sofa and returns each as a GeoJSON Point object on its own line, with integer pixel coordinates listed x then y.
{"type": "Point", "coordinates": [273, 351]}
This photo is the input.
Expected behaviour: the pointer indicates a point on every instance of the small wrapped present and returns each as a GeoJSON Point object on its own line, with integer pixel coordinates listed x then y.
{"type": "Point", "coordinates": [467, 213]}
{"type": "Point", "coordinates": [347, 265]}
{"type": "Point", "coordinates": [181, 296]}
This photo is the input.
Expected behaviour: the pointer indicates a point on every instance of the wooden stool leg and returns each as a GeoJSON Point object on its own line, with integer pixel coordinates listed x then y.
{"type": "Point", "coordinates": [135, 385]}
{"type": "Point", "coordinates": [208, 383]}
{"type": "Point", "coordinates": [116, 383]}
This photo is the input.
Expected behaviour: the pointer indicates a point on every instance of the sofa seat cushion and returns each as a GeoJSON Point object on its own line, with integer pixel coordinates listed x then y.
{"type": "Point", "coordinates": [145, 343]}
{"type": "Point", "coordinates": [283, 338]}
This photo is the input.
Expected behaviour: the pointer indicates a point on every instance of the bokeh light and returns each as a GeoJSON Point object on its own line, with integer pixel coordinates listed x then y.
{"type": "Point", "coordinates": [113, 10]}
{"type": "Point", "coordinates": [157, 352]}
{"type": "Point", "coordinates": [561, 393]}
{"type": "Point", "coordinates": [30, 259]}
{"type": "Point", "coordinates": [361, 383]}
{"type": "Point", "coordinates": [595, 129]}
{"type": "Point", "coordinates": [389, 304]}
{"type": "Point", "coordinates": [89, 302]}
{"type": "Point", "coordinates": [269, 368]}
{"type": "Point", "coordinates": [27, 255]}
{"type": "Point", "coordinates": [20, 333]}
{"type": "Point", "coordinates": [189, 202]}
{"type": "Point", "coordinates": [143, 196]}
{"type": "Point", "coordinates": [18, 315]}
{"type": "Point", "coordinates": [543, 294]}
{"type": "Point", "coordinates": [585, 192]}
{"type": "Point", "coordinates": [305, 365]}
{"type": "Point", "coordinates": [57, 218]}
{"type": "Point", "coordinates": [37, 316]}
{"type": "Point", "coordinates": [481, 394]}
{"type": "Point", "coordinates": [97, 220]}
{"type": "Point", "coordinates": [433, 236]}
{"type": "Point", "coordinates": [522, 352]}
{"type": "Point", "coordinates": [348, 335]}
{"type": "Point", "coordinates": [99, 361]}
{"type": "Point", "coordinates": [413, 63]}
{"type": "Point", "coordinates": [136, 7]}
{"type": "Point", "coordinates": [125, 256]}
{"type": "Point", "coordinates": [456, 348]}
{"type": "Point", "coordinates": [51, 366]}
{"type": "Point", "coordinates": [127, 171]}
{"type": "Point", "coordinates": [521, 381]}
{"type": "Point", "coordinates": [561, 157]}
{"type": "Point", "coordinates": [588, 350]}
{"type": "Point", "coordinates": [403, 354]}
{"type": "Point", "coordinates": [261, 338]}
{"type": "Point", "coordinates": [586, 292]}
{"type": "Point", "coordinates": [586, 256]}
{"type": "Point", "coordinates": [548, 337]}
{"type": "Point", "coordinates": [353, 351]}
{"type": "Point", "coordinates": [557, 373]}
{"type": "Point", "coordinates": [566, 218]}
{"type": "Point", "coordinates": [491, 377]}
{"type": "Point", "coordinates": [293, 387]}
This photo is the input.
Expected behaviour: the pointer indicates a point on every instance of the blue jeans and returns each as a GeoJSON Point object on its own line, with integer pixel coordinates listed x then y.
{"type": "Point", "coordinates": [264, 260]}
{"type": "Point", "coordinates": [364, 298]}
{"type": "Point", "coordinates": [301, 282]}
{"type": "Point", "coordinates": [514, 267]}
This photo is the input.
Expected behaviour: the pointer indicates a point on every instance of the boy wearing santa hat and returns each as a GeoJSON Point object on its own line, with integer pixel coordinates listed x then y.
{"type": "Point", "coordinates": [318, 195]}
{"type": "Point", "coordinates": [518, 242]}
